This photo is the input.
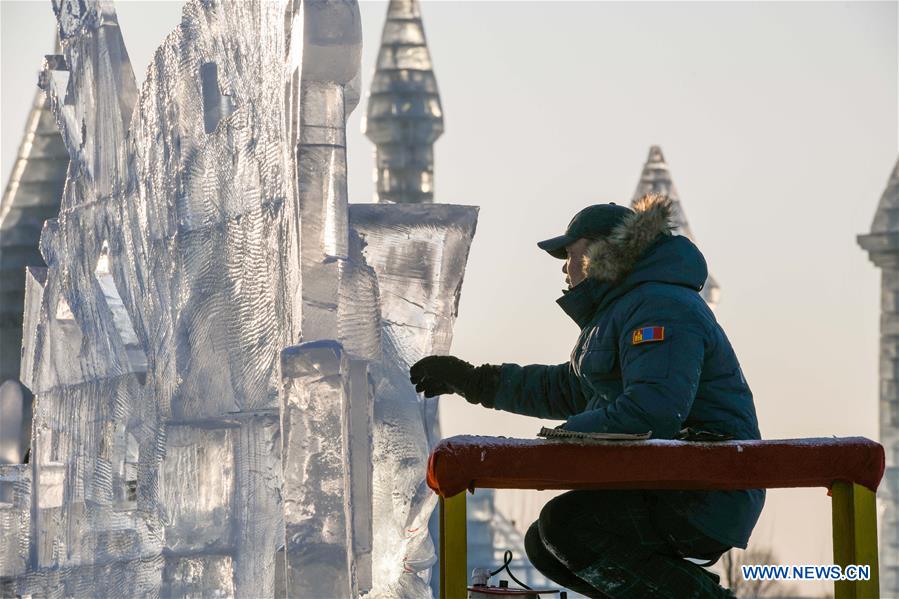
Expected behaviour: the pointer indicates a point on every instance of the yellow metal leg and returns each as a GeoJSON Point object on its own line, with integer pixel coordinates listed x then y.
{"type": "Point", "coordinates": [855, 538]}
{"type": "Point", "coordinates": [453, 548]}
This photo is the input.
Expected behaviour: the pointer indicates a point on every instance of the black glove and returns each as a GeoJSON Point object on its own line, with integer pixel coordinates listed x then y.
{"type": "Point", "coordinates": [441, 375]}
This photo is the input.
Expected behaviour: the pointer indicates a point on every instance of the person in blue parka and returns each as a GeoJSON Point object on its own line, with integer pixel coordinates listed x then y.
{"type": "Point", "coordinates": [650, 358]}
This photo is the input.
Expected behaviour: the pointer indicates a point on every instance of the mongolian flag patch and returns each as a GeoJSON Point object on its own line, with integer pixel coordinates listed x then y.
{"type": "Point", "coordinates": [647, 334]}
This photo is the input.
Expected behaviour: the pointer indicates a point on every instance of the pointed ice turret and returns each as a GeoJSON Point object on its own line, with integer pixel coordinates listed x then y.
{"type": "Point", "coordinates": [882, 245]}
{"type": "Point", "coordinates": [656, 178]}
{"type": "Point", "coordinates": [885, 227]}
{"type": "Point", "coordinates": [404, 113]}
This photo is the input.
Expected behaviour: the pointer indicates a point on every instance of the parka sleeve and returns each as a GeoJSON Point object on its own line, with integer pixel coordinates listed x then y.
{"type": "Point", "coordinates": [538, 390]}
{"type": "Point", "coordinates": [659, 378]}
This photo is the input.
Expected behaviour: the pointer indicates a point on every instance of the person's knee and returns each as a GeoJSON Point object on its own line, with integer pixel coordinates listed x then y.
{"type": "Point", "coordinates": [548, 565]}
{"type": "Point", "coordinates": [565, 519]}
{"type": "Point", "coordinates": [561, 510]}
{"type": "Point", "coordinates": [533, 545]}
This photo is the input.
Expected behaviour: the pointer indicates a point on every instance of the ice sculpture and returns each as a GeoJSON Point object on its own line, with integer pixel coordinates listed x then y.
{"type": "Point", "coordinates": [219, 343]}
{"type": "Point", "coordinates": [419, 254]}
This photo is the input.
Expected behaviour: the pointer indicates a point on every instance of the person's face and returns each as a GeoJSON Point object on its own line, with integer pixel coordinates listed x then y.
{"type": "Point", "coordinates": [574, 264]}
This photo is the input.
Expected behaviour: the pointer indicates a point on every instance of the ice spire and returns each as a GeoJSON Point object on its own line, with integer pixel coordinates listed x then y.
{"type": "Point", "coordinates": [886, 219]}
{"type": "Point", "coordinates": [656, 178]}
{"type": "Point", "coordinates": [404, 113]}
{"type": "Point", "coordinates": [883, 250]}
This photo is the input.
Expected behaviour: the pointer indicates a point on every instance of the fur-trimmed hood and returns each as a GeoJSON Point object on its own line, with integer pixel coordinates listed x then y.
{"type": "Point", "coordinates": [639, 250]}
{"type": "Point", "coordinates": [611, 258]}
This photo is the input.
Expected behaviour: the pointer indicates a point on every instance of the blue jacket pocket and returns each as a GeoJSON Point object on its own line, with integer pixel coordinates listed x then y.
{"type": "Point", "coordinates": [599, 363]}
{"type": "Point", "coordinates": [648, 362]}
{"type": "Point", "coordinates": [600, 375]}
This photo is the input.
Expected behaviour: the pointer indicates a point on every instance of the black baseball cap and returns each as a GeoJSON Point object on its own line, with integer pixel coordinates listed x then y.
{"type": "Point", "coordinates": [592, 222]}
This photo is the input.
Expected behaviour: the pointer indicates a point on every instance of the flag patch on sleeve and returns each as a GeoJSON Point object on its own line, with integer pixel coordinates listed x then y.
{"type": "Point", "coordinates": [647, 334]}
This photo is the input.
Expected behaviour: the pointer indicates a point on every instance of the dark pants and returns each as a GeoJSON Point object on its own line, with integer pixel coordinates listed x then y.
{"type": "Point", "coordinates": [623, 545]}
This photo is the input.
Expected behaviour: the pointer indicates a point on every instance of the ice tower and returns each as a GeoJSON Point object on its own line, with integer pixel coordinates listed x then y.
{"type": "Point", "coordinates": [882, 245]}
{"type": "Point", "coordinates": [656, 178]}
{"type": "Point", "coordinates": [219, 344]}
{"type": "Point", "coordinates": [404, 116]}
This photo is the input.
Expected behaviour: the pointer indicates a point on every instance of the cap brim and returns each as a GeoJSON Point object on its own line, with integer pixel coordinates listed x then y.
{"type": "Point", "coordinates": [555, 247]}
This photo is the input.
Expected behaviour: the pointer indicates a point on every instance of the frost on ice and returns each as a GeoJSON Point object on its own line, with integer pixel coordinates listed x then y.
{"type": "Point", "coordinates": [218, 346]}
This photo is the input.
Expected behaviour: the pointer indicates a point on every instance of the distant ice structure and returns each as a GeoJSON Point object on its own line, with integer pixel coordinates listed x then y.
{"type": "Point", "coordinates": [219, 344]}
{"type": "Point", "coordinates": [32, 196]}
{"type": "Point", "coordinates": [882, 245]}
{"type": "Point", "coordinates": [404, 116]}
{"type": "Point", "coordinates": [656, 178]}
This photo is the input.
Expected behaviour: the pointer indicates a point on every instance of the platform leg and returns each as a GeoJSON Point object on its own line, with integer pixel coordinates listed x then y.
{"type": "Point", "coordinates": [453, 548]}
{"type": "Point", "coordinates": [855, 538]}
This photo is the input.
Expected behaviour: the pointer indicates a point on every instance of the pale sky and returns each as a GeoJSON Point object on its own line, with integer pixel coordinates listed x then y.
{"type": "Point", "coordinates": [779, 123]}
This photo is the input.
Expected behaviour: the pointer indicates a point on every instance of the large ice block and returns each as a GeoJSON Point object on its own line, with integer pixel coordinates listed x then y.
{"type": "Point", "coordinates": [419, 254]}
{"type": "Point", "coordinates": [128, 578]}
{"type": "Point", "coordinates": [197, 488]}
{"type": "Point", "coordinates": [315, 464]}
{"type": "Point", "coordinates": [15, 519]}
{"type": "Point", "coordinates": [361, 463]}
{"type": "Point", "coordinates": [259, 525]}
{"type": "Point", "coordinates": [199, 576]}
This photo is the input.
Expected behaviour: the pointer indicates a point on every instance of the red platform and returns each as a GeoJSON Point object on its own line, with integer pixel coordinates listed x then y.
{"type": "Point", "coordinates": [469, 462]}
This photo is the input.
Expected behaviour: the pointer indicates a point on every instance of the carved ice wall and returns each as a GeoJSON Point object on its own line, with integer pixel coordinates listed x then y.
{"type": "Point", "coordinates": [219, 343]}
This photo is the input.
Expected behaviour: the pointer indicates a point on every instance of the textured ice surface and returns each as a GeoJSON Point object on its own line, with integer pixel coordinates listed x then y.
{"type": "Point", "coordinates": [419, 253]}
{"type": "Point", "coordinates": [15, 519]}
{"type": "Point", "coordinates": [317, 511]}
{"type": "Point", "coordinates": [197, 488]}
{"type": "Point", "coordinates": [173, 278]}
{"type": "Point", "coordinates": [203, 229]}
{"type": "Point", "coordinates": [198, 576]}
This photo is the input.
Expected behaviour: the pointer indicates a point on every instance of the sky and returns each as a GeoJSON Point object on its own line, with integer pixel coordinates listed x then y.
{"type": "Point", "coordinates": [779, 123]}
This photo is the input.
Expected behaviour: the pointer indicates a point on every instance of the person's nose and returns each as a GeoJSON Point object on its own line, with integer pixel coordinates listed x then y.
{"type": "Point", "coordinates": [565, 267]}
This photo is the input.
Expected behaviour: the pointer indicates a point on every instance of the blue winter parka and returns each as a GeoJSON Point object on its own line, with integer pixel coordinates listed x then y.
{"type": "Point", "coordinates": [650, 357]}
